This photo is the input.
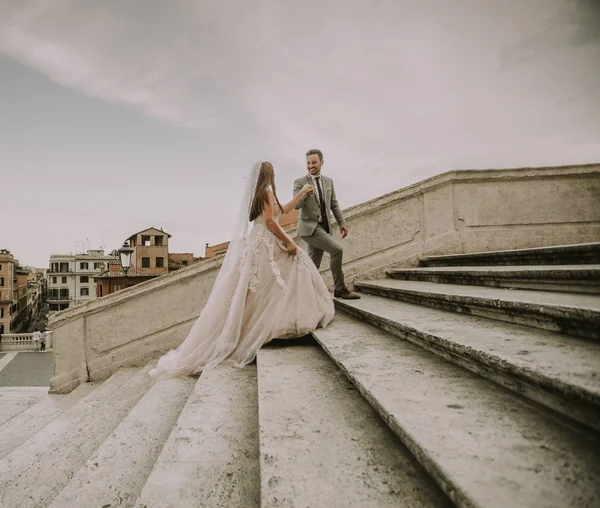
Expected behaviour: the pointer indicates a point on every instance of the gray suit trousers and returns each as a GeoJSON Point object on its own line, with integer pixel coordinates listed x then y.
{"type": "Point", "coordinates": [318, 243]}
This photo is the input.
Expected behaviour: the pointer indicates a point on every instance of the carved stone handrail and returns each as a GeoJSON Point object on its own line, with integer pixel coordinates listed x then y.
{"type": "Point", "coordinates": [452, 213]}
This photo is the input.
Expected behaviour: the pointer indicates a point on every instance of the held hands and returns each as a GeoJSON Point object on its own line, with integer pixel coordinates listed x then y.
{"type": "Point", "coordinates": [291, 246]}
{"type": "Point", "coordinates": [307, 189]}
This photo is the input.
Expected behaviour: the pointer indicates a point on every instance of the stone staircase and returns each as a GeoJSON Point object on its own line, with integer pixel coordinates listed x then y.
{"type": "Point", "coordinates": [472, 381]}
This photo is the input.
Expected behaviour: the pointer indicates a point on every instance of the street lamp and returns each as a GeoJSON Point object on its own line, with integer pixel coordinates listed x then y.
{"type": "Point", "coordinates": [125, 255]}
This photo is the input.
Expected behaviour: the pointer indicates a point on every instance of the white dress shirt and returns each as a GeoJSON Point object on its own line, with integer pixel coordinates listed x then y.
{"type": "Point", "coordinates": [314, 184]}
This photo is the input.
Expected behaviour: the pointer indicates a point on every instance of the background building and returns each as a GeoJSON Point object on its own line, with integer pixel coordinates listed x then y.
{"type": "Point", "coordinates": [21, 294]}
{"type": "Point", "coordinates": [71, 277]}
{"type": "Point", "coordinates": [150, 259]}
{"type": "Point", "coordinates": [7, 291]}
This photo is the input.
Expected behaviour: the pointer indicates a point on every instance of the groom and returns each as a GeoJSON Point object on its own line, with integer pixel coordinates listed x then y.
{"type": "Point", "coordinates": [314, 225]}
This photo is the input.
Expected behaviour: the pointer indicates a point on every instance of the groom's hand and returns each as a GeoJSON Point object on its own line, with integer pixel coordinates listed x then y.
{"type": "Point", "coordinates": [344, 231]}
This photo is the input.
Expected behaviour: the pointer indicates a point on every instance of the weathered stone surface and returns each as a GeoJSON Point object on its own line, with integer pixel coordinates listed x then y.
{"type": "Point", "coordinates": [512, 203]}
{"type": "Point", "coordinates": [115, 474]}
{"type": "Point", "coordinates": [565, 278]}
{"type": "Point", "coordinates": [579, 254]}
{"type": "Point", "coordinates": [321, 444]}
{"type": "Point", "coordinates": [35, 472]}
{"type": "Point", "coordinates": [483, 445]}
{"type": "Point", "coordinates": [555, 370]}
{"type": "Point", "coordinates": [211, 456]}
{"type": "Point", "coordinates": [428, 218]}
{"type": "Point", "coordinates": [574, 314]}
{"type": "Point", "coordinates": [36, 414]}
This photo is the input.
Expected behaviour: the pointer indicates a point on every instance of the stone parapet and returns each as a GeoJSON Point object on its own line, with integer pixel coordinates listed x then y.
{"type": "Point", "coordinates": [457, 212]}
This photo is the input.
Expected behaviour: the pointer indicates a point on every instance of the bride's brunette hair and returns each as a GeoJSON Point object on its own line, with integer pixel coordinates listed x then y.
{"type": "Point", "coordinates": [266, 178]}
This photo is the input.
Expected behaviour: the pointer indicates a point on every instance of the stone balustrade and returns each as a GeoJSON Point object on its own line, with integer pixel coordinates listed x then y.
{"type": "Point", "coordinates": [21, 342]}
{"type": "Point", "coordinates": [452, 213]}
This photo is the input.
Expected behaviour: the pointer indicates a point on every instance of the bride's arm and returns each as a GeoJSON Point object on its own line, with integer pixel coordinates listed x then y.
{"type": "Point", "coordinates": [273, 225]}
{"type": "Point", "coordinates": [287, 208]}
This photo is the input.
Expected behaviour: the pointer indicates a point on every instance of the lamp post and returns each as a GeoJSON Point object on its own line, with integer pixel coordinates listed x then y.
{"type": "Point", "coordinates": [125, 257]}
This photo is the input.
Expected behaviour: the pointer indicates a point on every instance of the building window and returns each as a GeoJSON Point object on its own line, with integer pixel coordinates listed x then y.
{"type": "Point", "coordinates": [54, 279]}
{"type": "Point", "coordinates": [184, 262]}
{"type": "Point", "coordinates": [85, 292]}
{"type": "Point", "coordinates": [1, 312]}
{"type": "Point", "coordinates": [145, 262]}
{"type": "Point", "coordinates": [146, 241]}
{"type": "Point", "coordinates": [158, 240]}
{"type": "Point", "coordinates": [1, 282]}
{"type": "Point", "coordinates": [64, 267]}
{"type": "Point", "coordinates": [53, 294]}
{"type": "Point", "coordinates": [84, 265]}
{"type": "Point", "coordinates": [64, 280]}
{"type": "Point", "coordinates": [160, 262]}
{"type": "Point", "coordinates": [64, 294]}
{"type": "Point", "coordinates": [84, 279]}
{"type": "Point", "coordinates": [96, 266]}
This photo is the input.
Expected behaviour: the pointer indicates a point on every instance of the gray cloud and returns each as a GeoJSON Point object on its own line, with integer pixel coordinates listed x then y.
{"type": "Point", "coordinates": [398, 90]}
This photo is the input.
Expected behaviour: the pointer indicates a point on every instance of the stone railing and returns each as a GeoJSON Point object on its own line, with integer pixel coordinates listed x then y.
{"type": "Point", "coordinates": [455, 212]}
{"type": "Point", "coordinates": [22, 342]}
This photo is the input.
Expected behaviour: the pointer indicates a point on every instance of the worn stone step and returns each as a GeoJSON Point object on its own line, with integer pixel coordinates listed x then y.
{"type": "Point", "coordinates": [577, 254]}
{"type": "Point", "coordinates": [211, 456]}
{"type": "Point", "coordinates": [35, 472]}
{"type": "Point", "coordinates": [16, 399]}
{"type": "Point", "coordinates": [116, 473]}
{"type": "Point", "coordinates": [25, 424]}
{"type": "Point", "coordinates": [321, 444]}
{"type": "Point", "coordinates": [555, 370]}
{"type": "Point", "coordinates": [485, 446]}
{"type": "Point", "coordinates": [573, 314]}
{"type": "Point", "coordinates": [565, 278]}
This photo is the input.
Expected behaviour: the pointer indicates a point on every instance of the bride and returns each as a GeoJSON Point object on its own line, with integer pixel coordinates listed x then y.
{"type": "Point", "coordinates": [267, 288]}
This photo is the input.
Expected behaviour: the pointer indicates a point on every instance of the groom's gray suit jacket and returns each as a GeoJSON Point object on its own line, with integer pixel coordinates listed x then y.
{"type": "Point", "coordinates": [310, 208]}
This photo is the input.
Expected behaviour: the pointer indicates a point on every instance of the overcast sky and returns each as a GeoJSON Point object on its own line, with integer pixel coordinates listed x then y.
{"type": "Point", "coordinates": [116, 116]}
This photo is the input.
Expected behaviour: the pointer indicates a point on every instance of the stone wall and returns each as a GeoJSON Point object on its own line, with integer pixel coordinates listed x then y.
{"type": "Point", "coordinates": [455, 212]}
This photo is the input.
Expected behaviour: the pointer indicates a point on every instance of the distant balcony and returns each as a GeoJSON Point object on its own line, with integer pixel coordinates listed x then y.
{"type": "Point", "coordinates": [55, 298]}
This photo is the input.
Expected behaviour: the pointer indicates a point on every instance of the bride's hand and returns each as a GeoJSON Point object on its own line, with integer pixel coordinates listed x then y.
{"type": "Point", "coordinates": [308, 189]}
{"type": "Point", "coordinates": [291, 247]}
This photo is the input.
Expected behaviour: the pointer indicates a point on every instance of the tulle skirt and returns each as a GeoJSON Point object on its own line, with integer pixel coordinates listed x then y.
{"type": "Point", "coordinates": [270, 294]}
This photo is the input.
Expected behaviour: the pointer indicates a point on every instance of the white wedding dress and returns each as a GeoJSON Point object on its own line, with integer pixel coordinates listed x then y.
{"type": "Point", "coordinates": [268, 294]}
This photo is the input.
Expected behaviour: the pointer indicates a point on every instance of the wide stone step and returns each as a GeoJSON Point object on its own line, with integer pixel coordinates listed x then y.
{"type": "Point", "coordinates": [483, 445]}
{"type": "Point", "coordinates": [558, 371]}
{"type": "Point", "coordinates": [565, 278]}
{"type": "Point", "coordinates": [578, 254]}
{"type": "Point", "coordinates": [321, 444]}
{"type": "Point", "coordinates": [116, 473]}
{"type": "Point", "coordinates": [25, 424]}
{"type": "Point", "coordinates": [573, 314]}
{"type": "Point", "coordinates": [35, 472]}
{"type": "Point", "coordinates": [211, 456]}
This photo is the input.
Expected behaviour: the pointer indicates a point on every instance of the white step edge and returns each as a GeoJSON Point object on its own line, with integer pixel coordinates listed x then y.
{"type": "Point", "coordinates": [34, 473]}
{"type": "Point", "coordinates": [322, 444]}
{"type": "Point", "coordinates": [211, 457]}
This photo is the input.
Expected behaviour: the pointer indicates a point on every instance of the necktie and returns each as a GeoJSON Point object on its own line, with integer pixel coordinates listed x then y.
{"type": "Point", "coordinates": [324, 218]}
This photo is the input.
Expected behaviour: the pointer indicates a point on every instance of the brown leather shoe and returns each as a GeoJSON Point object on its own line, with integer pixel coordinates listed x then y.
{"type": "Point", "coordinates": [346, 295]}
